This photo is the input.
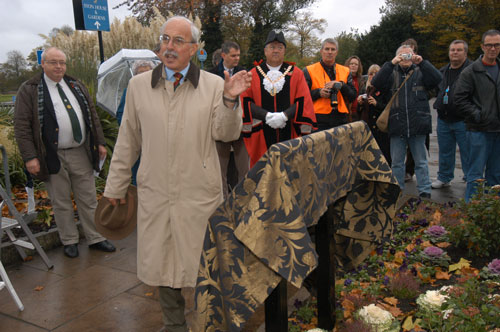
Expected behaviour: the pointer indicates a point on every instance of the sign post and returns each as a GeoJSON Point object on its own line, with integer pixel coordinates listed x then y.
{"type": "Point", "coordinates": [92, 15]}
{"type": "Point", "coordinates": [202, 56]}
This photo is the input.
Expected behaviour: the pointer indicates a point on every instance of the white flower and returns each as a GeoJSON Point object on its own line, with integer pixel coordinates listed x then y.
{"type": "Point", "coordinates": [381, 320]}
{"type": "Point", "coordinates": [446, 313]}
{"type": "Point", "coordinates": [432, 300]}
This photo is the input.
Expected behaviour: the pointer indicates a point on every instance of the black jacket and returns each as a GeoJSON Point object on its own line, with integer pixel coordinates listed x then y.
{"type": "Point", "coordinates": [477, 98]}
{"type": "Point", "coordinates": [448, 112]}
{"type": "Point", "coordinates": [219, 70]}
{"type": "Point", "coordinates": [410, 112]}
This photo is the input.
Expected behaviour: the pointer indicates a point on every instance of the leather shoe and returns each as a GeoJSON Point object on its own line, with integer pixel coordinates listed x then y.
{"type": "Point", "coordinates": [105, 246]}
{"type": "Point", "coordinates": [71, 250]}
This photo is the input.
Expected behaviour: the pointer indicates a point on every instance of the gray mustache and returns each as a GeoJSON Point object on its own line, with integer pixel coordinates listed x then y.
{"type": "Point", "coordinates": [171, 53]}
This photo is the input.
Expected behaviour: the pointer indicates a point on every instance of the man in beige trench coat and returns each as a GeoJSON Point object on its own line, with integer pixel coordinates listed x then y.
{"type": "Point", "coordinates": [173, 123]}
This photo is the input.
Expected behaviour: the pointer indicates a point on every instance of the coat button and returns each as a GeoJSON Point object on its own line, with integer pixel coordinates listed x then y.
{"type": "Point", "coordinates": [57, 129]}
{"type": "Point", "coordinates": [55, 143]}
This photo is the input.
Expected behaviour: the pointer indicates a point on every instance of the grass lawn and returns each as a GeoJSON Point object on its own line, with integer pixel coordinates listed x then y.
{"type": "Point", "coordinates": [5, 98]}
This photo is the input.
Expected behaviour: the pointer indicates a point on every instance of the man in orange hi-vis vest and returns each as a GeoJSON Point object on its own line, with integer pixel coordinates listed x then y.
{"type": "Point", "coordinates": [331, 87]}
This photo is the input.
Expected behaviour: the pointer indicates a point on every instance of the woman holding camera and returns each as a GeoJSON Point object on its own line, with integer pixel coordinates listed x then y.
{"type": "Point", "coordinates": [370, 104]}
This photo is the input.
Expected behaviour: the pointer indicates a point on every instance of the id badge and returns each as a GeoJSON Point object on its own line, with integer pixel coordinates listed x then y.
{"type": "Point", "coordinates": [445, 99]}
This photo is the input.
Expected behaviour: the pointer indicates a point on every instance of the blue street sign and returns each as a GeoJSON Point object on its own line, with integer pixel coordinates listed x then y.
{"type": "Point", "coordinates": [39, 56]}
{"type": "Point", "coordinates": [95, 15]}
{"type": "Point", "coordinates": [201, 54]}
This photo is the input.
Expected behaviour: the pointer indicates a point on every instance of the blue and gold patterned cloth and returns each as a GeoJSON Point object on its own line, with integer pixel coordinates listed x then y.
{"type": "Point", "coordinates": [259, 234]}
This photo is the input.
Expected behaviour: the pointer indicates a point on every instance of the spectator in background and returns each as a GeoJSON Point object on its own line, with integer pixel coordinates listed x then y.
{"type": "Point", "coordinates": [230, 57]}
{"type": "Point", "coordinates": [370, 104]}
{"type": "Point", "coordinates": [61, 142]}
{"type": "Point", "coordinates": [450, 125]}
{"type": "Point", "coordinates": [139, 66]}
{"type": "Point", "coordinates": [410, 116]}
{"type": "Point", "coordinates": [216, 57]}
{"type": "Point", "coordinates": [356, 68]}
{"type": "Point", "coordinates": [410, 163]}
{"type": "Point", "coordinates": [331, 87]}
{"type": "Point", "coordinates": [477, 97]}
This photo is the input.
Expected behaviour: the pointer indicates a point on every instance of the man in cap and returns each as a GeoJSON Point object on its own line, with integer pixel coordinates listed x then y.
{"type": "Point", "coordinates": [278, 105]}
{"type": "Point", "coordinates": [331, 87]}
{"type": "Point", "coordinates": [173, 116]}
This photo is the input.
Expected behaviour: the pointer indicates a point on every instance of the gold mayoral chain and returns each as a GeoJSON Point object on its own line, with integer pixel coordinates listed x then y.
{"type": "Point", "coordinates": [273, 91]}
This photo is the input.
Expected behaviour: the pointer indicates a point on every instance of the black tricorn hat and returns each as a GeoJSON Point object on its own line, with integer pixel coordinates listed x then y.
{"type": "Point", "coordinates": [275, 36]}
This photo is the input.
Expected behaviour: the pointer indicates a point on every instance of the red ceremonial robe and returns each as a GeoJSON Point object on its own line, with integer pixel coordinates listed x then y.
{"type": "Point", "coordinates": [258, 136]}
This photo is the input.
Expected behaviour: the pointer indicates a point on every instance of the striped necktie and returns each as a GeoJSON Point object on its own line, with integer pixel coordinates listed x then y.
{"type": "Point", "coordinates": [178, 77]}
{"type": "Point", "coordinates": [75, 124]}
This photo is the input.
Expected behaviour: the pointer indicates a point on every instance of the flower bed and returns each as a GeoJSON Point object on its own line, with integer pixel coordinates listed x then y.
{"type": "Point", "coordinates": [439, 272]}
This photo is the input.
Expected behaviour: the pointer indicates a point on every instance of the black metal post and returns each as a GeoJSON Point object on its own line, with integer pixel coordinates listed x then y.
{"type": "Point", "coordinates": [276, 309]}
{"type": "Point", "coordinates": [325, 274]}
{"type": "Point", "coordinates": [101, 48]}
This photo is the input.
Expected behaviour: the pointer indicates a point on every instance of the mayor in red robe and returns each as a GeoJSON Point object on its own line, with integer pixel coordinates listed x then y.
{"type": "Point", "coordinates": [278, 105]}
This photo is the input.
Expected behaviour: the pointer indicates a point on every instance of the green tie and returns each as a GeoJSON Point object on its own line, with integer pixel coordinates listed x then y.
{"type": "Point", "coordinates": [75, 124]}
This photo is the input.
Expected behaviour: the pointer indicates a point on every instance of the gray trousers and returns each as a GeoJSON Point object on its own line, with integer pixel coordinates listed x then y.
{"type": "Point", "coordinates": [172, 305]}
{"type": "Point", "coordinates": [75, 176]}
{"type": "Point", "coordinates": [241, 160]}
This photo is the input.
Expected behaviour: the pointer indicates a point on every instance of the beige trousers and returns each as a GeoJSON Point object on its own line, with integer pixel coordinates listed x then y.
{"type": "Point", "coordinates": [75, 176]}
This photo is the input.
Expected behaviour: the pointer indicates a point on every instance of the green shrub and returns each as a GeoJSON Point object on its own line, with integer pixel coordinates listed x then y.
{"type": "Point", "coordinates": [480, 230]}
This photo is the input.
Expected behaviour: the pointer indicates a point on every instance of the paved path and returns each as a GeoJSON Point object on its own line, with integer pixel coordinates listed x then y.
{"type": "Point", "coordinates": [457, 189]}
{"type": "Point", "coordinates": [100, 291]}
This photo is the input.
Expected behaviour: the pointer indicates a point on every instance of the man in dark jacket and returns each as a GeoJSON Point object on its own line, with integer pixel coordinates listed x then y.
{"type": "Point", "coordinates": [477, 97]}
{"type": "Point", "coordinates": [451, 125]}
{"type": "Point", "coordinates": [61, 141]}
{"type": "Point", "coordinates": [230, 58]}
{"type": "Point", "coordinates": [410, 116]}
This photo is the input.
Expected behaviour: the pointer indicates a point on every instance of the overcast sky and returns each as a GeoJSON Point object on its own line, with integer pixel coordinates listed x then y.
{"type": "Point", "coordinates": [22, 20]}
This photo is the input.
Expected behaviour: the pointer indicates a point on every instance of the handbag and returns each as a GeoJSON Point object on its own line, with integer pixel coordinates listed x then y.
{"type": "Point", "coordinates": [383, 119]}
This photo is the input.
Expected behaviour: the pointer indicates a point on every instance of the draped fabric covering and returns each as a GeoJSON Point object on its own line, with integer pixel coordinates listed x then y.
{"type": "Point", "coordinates": [259, 234]}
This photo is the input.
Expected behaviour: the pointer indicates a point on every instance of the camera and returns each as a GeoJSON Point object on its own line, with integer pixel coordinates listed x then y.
{"type": "Point", "coordinates": [406, 56]}
{"type": "Point", "coordinates": [333, 94]}
{"type": "Point", "coordinates": [363, 96]}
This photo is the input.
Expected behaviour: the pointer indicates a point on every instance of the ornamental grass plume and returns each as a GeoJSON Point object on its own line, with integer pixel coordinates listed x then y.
{"type": "Point", "coordinates": [380, 320]}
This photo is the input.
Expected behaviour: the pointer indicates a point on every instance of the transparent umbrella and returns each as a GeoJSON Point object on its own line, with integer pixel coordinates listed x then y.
{"type": "Point", "coordinates": [113, 76]}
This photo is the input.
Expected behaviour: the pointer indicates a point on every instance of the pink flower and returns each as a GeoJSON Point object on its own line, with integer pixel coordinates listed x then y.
{"type": "Point", "coordinates": [433, 251]}
{"type": "Point", "coordinates": [436, 231]}
{"type": "Point", "coordinates": [494, 266]}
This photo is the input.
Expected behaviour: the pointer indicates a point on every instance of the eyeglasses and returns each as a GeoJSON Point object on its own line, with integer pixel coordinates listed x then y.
{"type": "Point", "coordinates": [491, 46]}
{"type": "Point", "coordinates": [54, 62]}
{"type": "Point", "coordinates": [177, 41]}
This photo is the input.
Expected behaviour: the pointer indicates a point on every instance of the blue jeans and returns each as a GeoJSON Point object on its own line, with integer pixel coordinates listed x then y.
{"type": "Point", "coordinates": [449, 135]}
{"type": "Point", "coordinates": [419, 153]}
{"type": "Point", "coordinates": [484, 160]}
